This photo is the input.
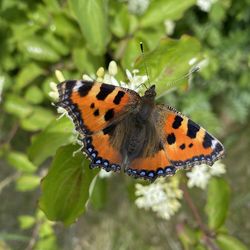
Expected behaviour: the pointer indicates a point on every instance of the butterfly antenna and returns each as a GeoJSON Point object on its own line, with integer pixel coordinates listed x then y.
{"type": "Point", "coordinates": [145, 65]}
{"type": "Point", "coordinates": [193, 70]}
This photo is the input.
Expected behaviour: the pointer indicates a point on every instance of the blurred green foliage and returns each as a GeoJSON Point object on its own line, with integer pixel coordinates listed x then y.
{"type": "Point", "coordinates": [79, 36]}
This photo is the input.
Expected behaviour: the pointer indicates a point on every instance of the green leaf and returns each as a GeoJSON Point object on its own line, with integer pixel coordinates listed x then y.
{"type": "Point", "coordinates": [27, 75]}
{"type": "Point", "coordinates": [227, 242]}
{"type": "Point", "coordinates": [217, 202]}
{"type": "Point", "coordinates": [26, 221]}
{"type": "Point", "coordinates": [36, 48]}
{"type": "Point", "coordinates": [39, 119]}
{"type": "Point", "coordinates": [34, 95]}
{"type": "Point", "coordinates": [160, 10]}
{"type": "Point", "coordinates": [99, 194]}
{"type": "Point", "coordinates": [27, 182]}
{"type": "Point", "coordinates": [170, 62]}
{"type": "Point", "coordinates": [65, 190]}
{"type": "Point", "coordinates": [186, 235]}
{"type": "Point", "coordinates": [85, 61]}
{"type": "Point", "coordinates": [21, 162]}
{"type": "Point", "coordinates": [58, 133]}
{"type": "Point", "coordinates": [17, 106]}
{"type": "Point", "coordinates": [93, 20]}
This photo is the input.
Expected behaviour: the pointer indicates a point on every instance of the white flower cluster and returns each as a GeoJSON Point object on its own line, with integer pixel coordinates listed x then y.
{"type": "Point", "coordinates": [138, 7]}
{"type": "Point", "coordinates": [161, 197]}
{"type": "Point", "coordinates": [200, 175]}
{"type": "Point", "coordinates": [205, 5]}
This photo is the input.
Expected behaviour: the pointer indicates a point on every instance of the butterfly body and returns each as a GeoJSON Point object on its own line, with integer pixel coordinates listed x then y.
{"type": "Point", "coordinates": [120, 129]}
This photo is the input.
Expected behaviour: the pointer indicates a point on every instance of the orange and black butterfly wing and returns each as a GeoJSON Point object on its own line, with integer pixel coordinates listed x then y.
{"type": "Point", "coordinates": [94, 107]}
{"type": "Point", "coordinates": [151, 167]}
{"type": "Point", "coordinates": [185, 142]}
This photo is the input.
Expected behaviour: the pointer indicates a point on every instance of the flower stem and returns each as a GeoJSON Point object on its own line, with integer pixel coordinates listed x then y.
{"type": "Point", "coordinates": [208, 235]}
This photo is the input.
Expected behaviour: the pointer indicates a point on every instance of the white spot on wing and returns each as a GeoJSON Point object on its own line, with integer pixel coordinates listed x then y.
{"type": "Point", "coordinates": [214, 143]}
{"type": "Point", "coordinates": [78, 85]}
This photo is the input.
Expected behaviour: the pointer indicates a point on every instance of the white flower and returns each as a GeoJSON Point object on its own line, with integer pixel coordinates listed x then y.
{"type": "Point", "coordinates": [135, 81]}
{"type": "Point", "coordinates": [199, 176]}
{"type": "Point", "coordinates": [1, 86]}
{"type": "Point", "coordinates": [218, 169]}
{"type": "Point", "coordinates": [169, 26]}
{"type": "Point", "coordinates": [104, 174]}
{"type": "Point", "coordinates": [54, 92]}
{"type": "Point", "coordinates": [162, 197]}
{"type": "Point", "coordinates": [205, 5]}
{"type": "Point", "coordinates": [138, 6]}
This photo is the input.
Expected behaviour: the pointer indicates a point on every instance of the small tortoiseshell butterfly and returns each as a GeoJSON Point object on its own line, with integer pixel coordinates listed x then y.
{"type": "Point", "coordinates": [121, 129]}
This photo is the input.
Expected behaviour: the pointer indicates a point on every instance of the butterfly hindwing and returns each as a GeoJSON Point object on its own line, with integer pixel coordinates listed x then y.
{"type": "Point", "coordinates": [185, 142]}
{"type": "Point", "coordinates": [151, 167]}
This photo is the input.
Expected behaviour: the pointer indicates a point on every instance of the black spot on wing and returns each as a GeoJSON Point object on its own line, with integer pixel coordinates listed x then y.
{"type": "Point", "coordinates": [109, 130]}
{"type": "Point", "coordinates": [118, 97]}
{"type": "Point", "coordinates": [171, 138]}
{"type": "Point", "coordinates": [92, 105]}
{"type": "Point", "coordinates": [193, 129]}
{"type": "Point", "coordinates": [182, 146]}
{"type": "Point", "coordinates": [219, 147]}
{"type": "Point", "coordinates": [177, 122]}
{"type": "Point", "coordinates": [85, 88]}
{"type": "Point", "coordinates": [105, 90]}
{"type": "Point", "coordinates": [96, 113]}
{"type": "Point", "coordinates": [207, 141]}
{"type": "Point", "coordinates": [109, 114]}
{"type": "Point", "coordinates": [191, 145]}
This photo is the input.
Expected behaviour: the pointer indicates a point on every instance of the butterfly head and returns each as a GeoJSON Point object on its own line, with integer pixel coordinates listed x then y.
{"type": "Point", "coordinates": [150, 93]}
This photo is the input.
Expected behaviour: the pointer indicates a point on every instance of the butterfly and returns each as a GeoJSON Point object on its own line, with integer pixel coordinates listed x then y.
{"type": "Point", "coordinates": [120, 129]}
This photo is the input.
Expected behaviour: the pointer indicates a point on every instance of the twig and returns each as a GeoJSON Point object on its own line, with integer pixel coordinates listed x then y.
{"type": "Point", "coordinates": [5, 182]}
{"type": "Point", "coordinates": [10, 135]}
{"type": "Point", "coordinates": [34, 237]}
{"type": "Point", "coordinates": [207, 234]}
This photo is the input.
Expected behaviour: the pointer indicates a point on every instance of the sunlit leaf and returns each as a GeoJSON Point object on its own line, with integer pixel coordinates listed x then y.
{"type": "Point", "coordinates": [17, 106]}
{"type": "Point", "coordinates": [27, 182]}
{"type": "Point", "coordinates": [26, 221]}
{"type": "Point", "coordinates": [36, 48]}
{"type": "Point", "coordinates": [21, 162]}
{"type": "Point", "coordinates": [160, 10]}
{"type": "Point", "coordinates": [39, 119]}
{"type": "Point", "coordinates": [227, 242]}
{"type": "Point", "coordinates": [93, 20]}
{"type": "Point", "coordinates": [34, 95]}
{"type": "Point", "coordinates": [217, 202]}
{"type": "Point", "coordinates": [58, 133]}
{"type": "Point", "coordinates": [65, 190]}
{"type": "Point", "coordinates": [27, 75]}
{"type": "Point", "coordinates": [169, 62]}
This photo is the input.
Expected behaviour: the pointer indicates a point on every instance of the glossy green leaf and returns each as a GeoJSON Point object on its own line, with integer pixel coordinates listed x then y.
{"type": "Point", "coordinates": [99, 194]}
{"type": "Point", "coordinates": [217, 202]}
{"type": "Point", "coordinates": [65, 190]}
{"type": "Point", "coordinates": [26, 221]}
{"type": "Point", "coordinates": [20, 162]}
{"type": "Point", "coordinates": [160, 10]}
{"type": "Point", "coordinates": [227, 242]}
{"type": "Point", "coordinates": [57, 44]}
{"type": "Point", "coordinates": [27, 182]}
{"type": "Point", "coordinates": [36, 48]}
{"type": "Point", "coordinates": [27, 75]}
{"type": "Point", "coordinates": [58, 133]}
{"type": "Point", "coordinates": [34, 95]}
{"type": "Point", "coordinates": [17, 106]}
{"type": "Point", "coordinates": [39, 119]}
{"type": "Point", "coordinates": [169, 62]}
{"type": "Point", "coordinates": [85, 61]}
{"type": "Point", "coordinates": [93, 20]}
{"type": "Point", "coordinates": [65, 27]}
